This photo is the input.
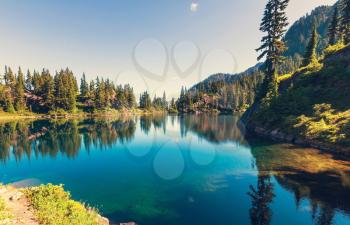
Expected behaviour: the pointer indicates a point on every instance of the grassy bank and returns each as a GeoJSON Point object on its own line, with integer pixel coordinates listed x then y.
{"type": "Point", "coordinates": [48, 204]}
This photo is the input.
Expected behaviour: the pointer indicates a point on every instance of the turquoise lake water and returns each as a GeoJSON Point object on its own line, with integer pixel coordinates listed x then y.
{"type": "Point", "coordinates": [177, 170]}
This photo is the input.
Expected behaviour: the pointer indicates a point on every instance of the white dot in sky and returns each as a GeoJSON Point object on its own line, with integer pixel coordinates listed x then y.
{"type": "Point", "coordinates": [194, 7]}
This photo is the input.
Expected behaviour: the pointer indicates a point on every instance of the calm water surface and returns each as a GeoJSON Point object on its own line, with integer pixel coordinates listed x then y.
{"type": "Point", "coordinates": [169, 170]}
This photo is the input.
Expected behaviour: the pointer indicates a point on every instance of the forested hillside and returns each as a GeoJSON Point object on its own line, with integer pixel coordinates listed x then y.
{"type": "Point", "coordinates": [313, 105]}
{"type": "Point", "coordinates": [227, 92]}
{"type": "Point", "coordinates": [222, 92]}
{"type": "Point", "coordinates": [310, 105]}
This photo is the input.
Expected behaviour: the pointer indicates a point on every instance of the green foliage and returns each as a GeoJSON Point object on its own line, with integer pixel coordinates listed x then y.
{"type": "Point", "coordinates": [334, 31]}
{"type": "Point", "coordinates": [345, 21]}
{"type": "Point", "coordinates": [160, 103]}
{"type": "Point", "coordinates": [312, 105]}
{"type": "Point", "coordinates": [310, 56]}
{"type": "Point", "coordinates": [43, 93]}
{"type": "Point", "coordinates": [4, 214]}
{"type": "Point", "coordinates": [223, 92]}
{"type": "Point", "coordinates": [53, 206]}
{"type": "Point", "coordinates": [145, 101]}
{"type": "Point", "coordinates": [325, 124]}
{"type": "Point", "coordinates": [272, 46]}
{"type": "Point", "coordinates": [84, 87]}
{"type": "Point", "coordinates": [299, 33]}
{"type": "Point", "coordinates": [331, 49]}
{"type": "Point", "coordinates": [65, 90]}
{"type": "Point", "coordinates": [19, 91]}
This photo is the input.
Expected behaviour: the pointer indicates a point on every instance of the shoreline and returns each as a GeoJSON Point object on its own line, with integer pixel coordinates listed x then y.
{"type": "Point", "coordinates": [22, 210]}
{"type": "Point", "coordinates": [19, 116]}
{"type": "Point", "coordinates": [280, 136]}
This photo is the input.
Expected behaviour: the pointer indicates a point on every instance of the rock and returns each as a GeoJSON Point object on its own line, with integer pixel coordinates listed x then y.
{"type": "Point", "coordinates": [104, 220]}
{"type": "Point", "coordinates": [275, 132]}
{"type": "Point", "coordinates": [290, 138]}
{"type": "Point", "coordinates": [16, 196]}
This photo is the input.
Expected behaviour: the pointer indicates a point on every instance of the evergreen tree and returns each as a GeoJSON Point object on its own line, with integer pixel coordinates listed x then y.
{"type": "Point", "coordinates": [100, 96]}
{"type": "Point", "coordinates": [334, 29]}
{"type": "Point", "coordinates": [164, 101]}
{"type": "Point", "coordinates": [345, 22]}
{"type": "Point", "coordinates": [84, 87]}
{"type": "Point", "coordinates": [9, 103]}
{"type": "Point", "coordinates": [29, 81]}
{"type": "Point", "coordinates": [273, 24]}
{"type": "Point", "coordinates": [131, 100]}
{"type": "Point", "coordinates": [145, 101]}
{"type": "Point", "coordinates": [310, 54]}
{"type": "Point", "coordinates": [9, 77]}
{"type": "Point", "coordinates": [47, 89]}
{"type": "Point", "coordinates": [92, 90]}
{"type": "Point", "coordinates": [19, 92]}
{"type": "Point", "coordinates": [173, 105]}
{"type": "Point", "coordinates": [65, 89]}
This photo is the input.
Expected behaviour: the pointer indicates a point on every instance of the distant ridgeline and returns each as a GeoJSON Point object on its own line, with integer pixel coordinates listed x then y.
{"type": "Point", "coordinates": [236, 92]}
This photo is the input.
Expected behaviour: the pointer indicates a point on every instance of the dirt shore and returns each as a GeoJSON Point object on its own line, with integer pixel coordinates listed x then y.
{"type": "Point", "coordinates": [17, 206]}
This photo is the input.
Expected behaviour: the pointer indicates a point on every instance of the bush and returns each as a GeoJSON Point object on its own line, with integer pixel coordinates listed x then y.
{"type": "Point", "coordinates": [325, 124]}
{"type": "Point", "coordinates": [53, 206]}
{"type": "Point", "coordinates": [331, 49]}
{"type": "Point", "coordinates": [4, 214]}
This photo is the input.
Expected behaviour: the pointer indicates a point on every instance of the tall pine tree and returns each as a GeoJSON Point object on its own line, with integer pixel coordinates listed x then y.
{"type": "Point", "coordinates": [334, 29]}
{"type": "Point", "coordinates": [310, 54]}
{"type": "Point", "coordinates": [84, 87]}
{"type": "Point", "coordinates": [20, 103]}
{"type": "Point", "coordinates": [346, 21]}
{"type": "Point", "coordinates": [274, 24]}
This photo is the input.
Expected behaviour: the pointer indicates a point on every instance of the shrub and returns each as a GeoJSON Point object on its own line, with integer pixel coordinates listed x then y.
{"type": "Point", "coordinates": [325, 124]}
{"type": "Point", "coordinates": [53, 206]}
{"type": "Point", "coordinates": [331, 49]}
{"type": "Point", "coordinates": [4, 214]}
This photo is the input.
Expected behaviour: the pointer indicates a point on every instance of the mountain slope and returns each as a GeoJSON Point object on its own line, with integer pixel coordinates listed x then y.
{"type": "Point", "coordinates": [299, 33]}
{"type": "Point", "coordinates": [242, 87]}
{"type": "Point", "coordinates": [313, 106]}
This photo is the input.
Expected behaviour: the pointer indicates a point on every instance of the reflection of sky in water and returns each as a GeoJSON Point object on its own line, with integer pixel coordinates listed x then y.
{"type": "Point", "coordinates": [171, 172]}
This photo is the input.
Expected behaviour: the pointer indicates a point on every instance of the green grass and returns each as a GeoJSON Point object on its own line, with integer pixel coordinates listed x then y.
{"type": "Point", "coordinates": [54, 206]}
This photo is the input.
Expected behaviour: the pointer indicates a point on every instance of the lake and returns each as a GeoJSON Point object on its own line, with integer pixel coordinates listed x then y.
{"type": "Point", "coordinates": [177, 170]}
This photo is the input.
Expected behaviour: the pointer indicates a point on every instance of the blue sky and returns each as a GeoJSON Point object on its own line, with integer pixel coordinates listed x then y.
{"type": "Point", "coordinates": [102, 37]}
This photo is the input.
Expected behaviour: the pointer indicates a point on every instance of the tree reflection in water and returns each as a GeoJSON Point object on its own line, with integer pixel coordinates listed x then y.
{"type": "Point", "coordinates": [48, 138]}
{"type": "Point", "coordinates": [308, 173]}
{"type": "Point", "coordinates": [261, 196]}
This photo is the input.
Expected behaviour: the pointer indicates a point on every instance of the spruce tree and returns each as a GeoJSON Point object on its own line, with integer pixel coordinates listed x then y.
{"type": "Point", "coordinates": [333, 29]}
{"type": "Point", "coordinates": [9, 77]}
{"type": "Point", "coordinates": [274, 24]}
{"type": "Point", "coordinates": [310, 54]}
{"type": "Point", "coordinates": [47, 89]}
{"type": "Point", "coordinates": [164, 101]}
{"type": "Point", "coordinates": [345, 21]}
{"type": "Point", "coordinates": [20, 103]}
{"type": "Point", "coordinates": [29, 81]}
{"type": "Point", "coordinates": [84, 87]}
{"type": "Point", "coordinates": [9, 103]}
